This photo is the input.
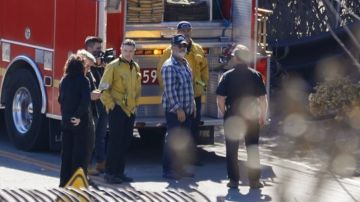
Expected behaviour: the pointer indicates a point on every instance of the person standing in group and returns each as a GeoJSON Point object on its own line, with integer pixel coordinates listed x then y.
{"type": "Point", "coordinates": [93, 45]}
{"type": "Point", "coordinates": [241, 97]}
{"type": "Point", "coordinates": [121, 86]}
{"type": "Point", "coordinates": [178, 102]}
{"type": "Point", "coordinates": [199, 65]}
{"type": "Point", "coordinates": [74, 99]}
{"type": "Point", "coordinates": [89, 61]}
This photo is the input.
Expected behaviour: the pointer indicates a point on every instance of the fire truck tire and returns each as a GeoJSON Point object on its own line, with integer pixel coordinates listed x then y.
{"type": "Point", "coordinates": [23, 112]}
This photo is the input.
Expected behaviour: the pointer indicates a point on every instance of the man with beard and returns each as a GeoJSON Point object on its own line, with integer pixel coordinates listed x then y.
{"type": "Point", "coordinates": [178, 102]}
{"type": "Point", "coordinates": [199, 65]}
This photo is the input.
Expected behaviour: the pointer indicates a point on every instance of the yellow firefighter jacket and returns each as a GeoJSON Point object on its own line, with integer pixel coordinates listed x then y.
{"type": "Point", "coordinates": [121, 84]}
{"type": "Point", "coordinates": [198, 64]}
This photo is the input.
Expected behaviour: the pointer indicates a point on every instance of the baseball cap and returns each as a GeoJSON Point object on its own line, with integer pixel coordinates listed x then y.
{"type": "Point", "coordinates": [241, 52]}
{"type": "Point", "coordinates": [184, 25]}
{"type": "Point", "coordinates": [178, 39]}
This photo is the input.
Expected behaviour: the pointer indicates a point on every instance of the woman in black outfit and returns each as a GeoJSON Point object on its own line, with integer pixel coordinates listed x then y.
{"type": "Point", "coordinates": [74, 99]}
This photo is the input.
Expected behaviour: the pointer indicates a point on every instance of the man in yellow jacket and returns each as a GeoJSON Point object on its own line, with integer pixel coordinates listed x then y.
{"type": "Point", "coordinates": [199, 65]}
{"type": "Point", "coordinates": [121, 88]}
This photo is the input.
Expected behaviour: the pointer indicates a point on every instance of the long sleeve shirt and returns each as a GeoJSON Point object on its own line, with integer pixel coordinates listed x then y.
{"type": "Point", "coordinates": [121, 85]}
{"type": "Point", "coordinates": [74, 98]}
{"type": "Point", "coordinates": [178, 88]}
{"type": "Point", "coordinates": [197, 62]}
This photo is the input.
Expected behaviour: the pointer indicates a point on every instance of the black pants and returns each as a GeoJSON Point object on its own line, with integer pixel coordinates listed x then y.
{"type": "Point", "coordinates": [251, 142]}
{"type": "Point", "coordinates": [91, 140]}
{"type": "Point", "coordinates": [121, 132]}
{"type": "Point", "coordinates": [75, 152]}
{"type": "Point", "coordinates": [195, 122]}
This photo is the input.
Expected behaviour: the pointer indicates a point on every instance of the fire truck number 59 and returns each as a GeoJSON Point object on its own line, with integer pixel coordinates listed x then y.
{"type": "Point", "coordinates": [148, 76]}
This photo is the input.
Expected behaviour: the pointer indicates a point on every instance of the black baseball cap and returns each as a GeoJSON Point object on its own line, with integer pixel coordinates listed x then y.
{"type": "Point", "coordinates": [178, 39]}
{"type": "Point", "coordinates": [184, 25]}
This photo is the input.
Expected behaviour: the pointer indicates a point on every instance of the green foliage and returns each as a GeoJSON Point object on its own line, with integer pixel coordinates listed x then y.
{"type": "Point", "coordinates": [339, 96]}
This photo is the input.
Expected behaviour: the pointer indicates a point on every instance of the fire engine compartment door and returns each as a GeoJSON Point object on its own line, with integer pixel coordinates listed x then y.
{"type": "Point", "coordinates": [24, 21]}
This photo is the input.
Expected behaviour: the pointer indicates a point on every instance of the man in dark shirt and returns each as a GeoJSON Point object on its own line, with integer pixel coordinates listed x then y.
{"type": "Point", "coordinates": [241, 97]}
{"type": "Point", "coordinates": [93, 45]}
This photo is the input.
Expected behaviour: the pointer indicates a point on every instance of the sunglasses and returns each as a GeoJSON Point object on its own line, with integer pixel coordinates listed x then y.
{"type": "Point", "coordinates": [182, 46]}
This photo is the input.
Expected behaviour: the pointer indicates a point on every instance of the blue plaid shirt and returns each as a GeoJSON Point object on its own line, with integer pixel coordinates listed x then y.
{"type": "Point", "coordinates": [178, 89]}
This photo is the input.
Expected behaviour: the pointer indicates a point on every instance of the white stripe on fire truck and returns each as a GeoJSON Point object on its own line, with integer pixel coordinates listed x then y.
{"type": "Point", "coordinates": [26, 45]}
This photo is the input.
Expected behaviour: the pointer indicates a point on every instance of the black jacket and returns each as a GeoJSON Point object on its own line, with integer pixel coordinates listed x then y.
{"type": "Point", "coordinates": [74, 98]}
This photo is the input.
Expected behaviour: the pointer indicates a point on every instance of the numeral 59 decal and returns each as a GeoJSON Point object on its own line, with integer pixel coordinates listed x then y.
{"type": "Point", "coordinates": [148, 76]}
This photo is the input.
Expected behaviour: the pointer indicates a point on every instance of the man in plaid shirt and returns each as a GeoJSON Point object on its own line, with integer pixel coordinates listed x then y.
{"type": "Point", "coordinates": [179, 104]}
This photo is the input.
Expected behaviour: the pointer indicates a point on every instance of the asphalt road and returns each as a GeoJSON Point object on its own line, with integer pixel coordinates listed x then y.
{"type": "Point", "coordinates": [285, 180]}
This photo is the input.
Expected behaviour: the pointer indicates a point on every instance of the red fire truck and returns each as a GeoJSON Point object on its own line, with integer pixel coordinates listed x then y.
{"type": "Point", "coordinates": [36, 37]}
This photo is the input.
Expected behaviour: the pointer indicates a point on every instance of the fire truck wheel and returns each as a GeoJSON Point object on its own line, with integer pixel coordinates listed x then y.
{"type": "Point", "coordinates": [23, 112]}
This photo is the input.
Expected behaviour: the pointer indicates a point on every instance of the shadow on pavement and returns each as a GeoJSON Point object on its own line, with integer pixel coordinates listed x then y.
{"type": "Point", "coordinates": [254, 195]}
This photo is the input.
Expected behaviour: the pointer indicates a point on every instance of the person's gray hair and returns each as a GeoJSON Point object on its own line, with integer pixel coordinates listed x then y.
{"type": "Point", "coordinates": [242, 52]}
{"type": "Point", "coordinates": [86, 54]}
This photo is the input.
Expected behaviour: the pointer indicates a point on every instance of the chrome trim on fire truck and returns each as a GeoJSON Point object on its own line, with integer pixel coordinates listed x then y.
{"type": "Point", "coordinates": [26, 45]}
{"type": "Point", "coordinates": [38, 76]}
{"type": "Point", "coordinates": [159, 45]}
{"type": "Point", "coordinates": [53, 116]}
{"type": "Point", "coordinates": [102, 18]}
{"type": "Point", "coordinates": [160, 121]}
{"type": "Point", "coordinates": [207, 25]}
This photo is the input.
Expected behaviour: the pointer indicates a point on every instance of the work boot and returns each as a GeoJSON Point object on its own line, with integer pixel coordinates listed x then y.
{"type": "Point", "coordinates": [125, 178]}
{"type": "Point", "coordinates": [97, 170]}
{"type": "Point", "coordinates": [187, 174]}
{"type": "Point", "coordinates": [100, 166]}
{"type": "Point", "coordinates": [111, 179]}
{"type": "Point", "coordinates": [233, 184]}
{"type": "Point", "coordinates": [256, 185]}
{"type": "Point", "coordinates": [198, 163]}
{"type": "Point", "coordinates": [92, 171]}
{"type": "Point", "coordinates": [171, 176]}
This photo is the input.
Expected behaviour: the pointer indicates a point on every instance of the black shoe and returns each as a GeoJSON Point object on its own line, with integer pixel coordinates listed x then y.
{"type": "Point", "coordinates": [93, 184]}
{"type": "Point", "coordinates": [171, 176]}
{"type": "Point", "coordinates": [187, 174]}
{"type": "Point", "coordinates": [233, 184]}
{"type": "Point", "coordinates": [111, 179]}
{"type": "Point", "coordinates": [256, 185]}
{"type": "Point", "coordinates": [198, 163]}
{"type": "Point", "coordinates": [127, 178]}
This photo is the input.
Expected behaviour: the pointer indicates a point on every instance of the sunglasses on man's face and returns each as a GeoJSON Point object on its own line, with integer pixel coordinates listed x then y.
{"type": "Point", "coordinates": [182, 46]}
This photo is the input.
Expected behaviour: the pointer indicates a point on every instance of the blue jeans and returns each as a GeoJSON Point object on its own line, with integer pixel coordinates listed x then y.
{"type": "Point", "coordinates": [173, 159]}
{"type": "Point", "coordinates": [101, 123]}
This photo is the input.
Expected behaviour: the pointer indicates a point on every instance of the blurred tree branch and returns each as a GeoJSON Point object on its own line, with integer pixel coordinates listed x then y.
{"type": "Point", "coordinates": [295, 19]}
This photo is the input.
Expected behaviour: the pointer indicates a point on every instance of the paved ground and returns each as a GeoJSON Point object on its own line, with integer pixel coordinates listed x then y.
{"type": "Point", "coordinates": [293, 169]}
{"type": "Point", "coordinates": [286, 180]}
